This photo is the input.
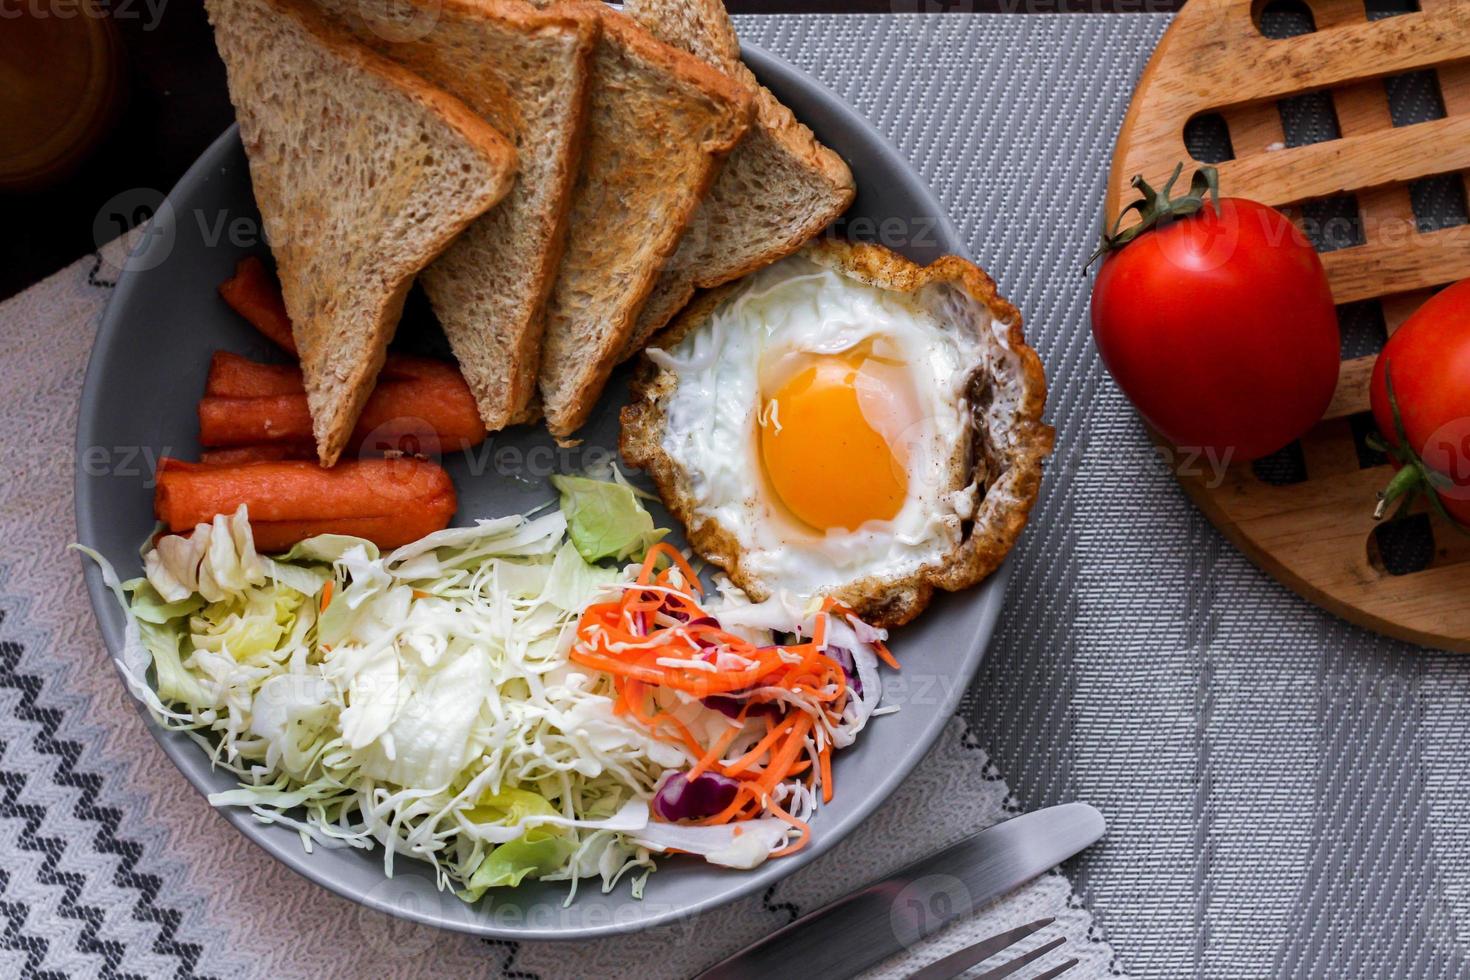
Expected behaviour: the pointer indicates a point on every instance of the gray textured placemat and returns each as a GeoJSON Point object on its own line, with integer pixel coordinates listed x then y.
{"type": "Point", "coordinates": [1285, 793]}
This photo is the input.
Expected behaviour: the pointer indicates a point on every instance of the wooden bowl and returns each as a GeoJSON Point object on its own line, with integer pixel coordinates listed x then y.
{"type": "Point", "coordinates": [61, 84]}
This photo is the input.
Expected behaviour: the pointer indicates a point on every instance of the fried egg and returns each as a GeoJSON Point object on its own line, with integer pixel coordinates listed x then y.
{"type": "Point", "coordinates": [823, 426]}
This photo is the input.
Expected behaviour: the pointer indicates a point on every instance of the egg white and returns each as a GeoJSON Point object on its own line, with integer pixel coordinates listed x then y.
{"type": "Point", "coordinates": [713, 421]}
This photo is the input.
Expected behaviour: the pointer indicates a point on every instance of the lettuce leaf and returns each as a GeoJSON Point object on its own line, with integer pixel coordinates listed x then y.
{"type": "Point", "coordinates": [572, 582]}
{"type": "Point", "coordinates": [510, 864]}
{"type": "Point", "coordinates": [174, 683]}
{"type": "Point", "coordinates": [328, 548]}
{"type": "Point", "coordinates": [511, 806]}
{"type": "Point", "coordinates": [605, 520]}
{"type": "Point", "coordinates": [216, 560]}
{"type": "Point", "coordinates": [419, 722]}
{"type": "Point", "coordinates": [150, 607]}
{"type": "Point", "coordinates": [302, 569]}
{"type": "Point", "coordinates": [250, 626]}
{"type": "Point", "coordinates": [539, 851]}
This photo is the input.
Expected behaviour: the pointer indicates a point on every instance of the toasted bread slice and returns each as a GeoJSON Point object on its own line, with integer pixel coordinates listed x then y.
{"type": "Point", "coordinates": [777, 189]}
{"type": "Point", "coordinates": [995, 468]}
{"type": "Point", "coordinates": [525, 71]}
{"type": "Point", "coordinates": [658, 122]}
{"type": "Point", "coordinates": [363, 173]}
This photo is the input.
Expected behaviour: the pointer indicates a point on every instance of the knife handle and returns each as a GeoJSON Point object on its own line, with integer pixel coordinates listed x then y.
{"type": "Point", "coordinates": [887, 916]}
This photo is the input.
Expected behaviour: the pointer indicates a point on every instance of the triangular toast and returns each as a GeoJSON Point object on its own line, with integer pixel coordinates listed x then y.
{"type": "Point", "coordinates": [803, 186]}
{"type": "Point", "coordinates": [658, 122]}
{"type": "Point", "coordinates": [363, 174]}
{"type": "Point", "coordinates": [525, 71]}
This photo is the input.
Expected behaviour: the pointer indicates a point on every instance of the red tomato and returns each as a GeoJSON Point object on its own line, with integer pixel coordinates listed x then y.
{"type": "Point", "coordinates": [1220, 328]}
{"type": "Point", "coordinates": [1429, 359]}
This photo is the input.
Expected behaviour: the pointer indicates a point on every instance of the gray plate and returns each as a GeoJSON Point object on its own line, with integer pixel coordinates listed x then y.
{"type": "Point", "coordinates": [147, 372]}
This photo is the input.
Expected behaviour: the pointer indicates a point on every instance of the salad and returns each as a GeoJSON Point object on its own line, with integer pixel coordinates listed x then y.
{"type": "Point", "coordinates": [552, 696]}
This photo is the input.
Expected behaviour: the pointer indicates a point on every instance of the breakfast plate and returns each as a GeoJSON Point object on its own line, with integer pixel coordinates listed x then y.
{"type": "Point", "coordinates": [138, 404]}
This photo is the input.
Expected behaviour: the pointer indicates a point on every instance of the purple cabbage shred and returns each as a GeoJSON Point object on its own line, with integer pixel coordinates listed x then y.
{"type": "Point", "coordinates": [844, 658]}
{"type": "Point", "coordinates": [730, 705]}
{"type": "Point", "coordinates": [680, 799]}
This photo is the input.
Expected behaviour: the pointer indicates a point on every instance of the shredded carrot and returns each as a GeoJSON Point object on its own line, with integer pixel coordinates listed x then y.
{"type": "Point", "coordinates": [826, 757]}
{"type": "Point", "coordinates": [761, 748]}
{"type": "Point", "coordinates": [783, 758]}
{"type": "Point", "coordinates": [717, 750]}
{"type": "Point", "coordinates": [656, 637]}
{"type": "Point", "coordinates": [801, 827]}
{"type": "Point", "coordinates": [326, 597]}
{"type": "Point", "coordinates": [666, 550]}
{"type": "Point", "coordinates": [832, 605]}
{"type": "Point", "coordinates": [634, 697]}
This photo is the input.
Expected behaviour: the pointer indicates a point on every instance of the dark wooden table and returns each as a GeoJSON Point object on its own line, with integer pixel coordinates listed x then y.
{"type": "Point", "coordinates": [176, 104]}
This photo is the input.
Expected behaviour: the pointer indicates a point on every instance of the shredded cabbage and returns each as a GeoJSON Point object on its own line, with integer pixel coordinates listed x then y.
{"type": "Point", "coordinates": [427, 706]}
{"type": "Point", "coordinates": [424, 701]}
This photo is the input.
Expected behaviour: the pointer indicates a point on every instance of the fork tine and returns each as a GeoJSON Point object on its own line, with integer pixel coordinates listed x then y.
{"type": "Point", "coordinates": [1006, 969]}
{"type": "Point", "coordinates": [958, 962]}
{"type": "Point", "coordinates": [1058, 970]}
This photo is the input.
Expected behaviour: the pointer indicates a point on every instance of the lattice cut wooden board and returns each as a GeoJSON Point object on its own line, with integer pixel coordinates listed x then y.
{"type": "Point", "coordinates": [1317, 535]}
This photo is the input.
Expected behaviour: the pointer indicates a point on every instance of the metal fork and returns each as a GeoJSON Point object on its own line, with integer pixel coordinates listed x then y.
{"type": "Point", "coordinates": [955, 964]}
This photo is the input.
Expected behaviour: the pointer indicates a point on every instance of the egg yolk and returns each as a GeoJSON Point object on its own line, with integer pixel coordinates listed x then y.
{"type": "Point", "coordinates": [828, 443]}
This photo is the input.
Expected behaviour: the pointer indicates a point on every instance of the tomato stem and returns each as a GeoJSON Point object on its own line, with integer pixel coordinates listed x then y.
{"type": "Point", "coordinates": [1156, 208]}
{"type": "Point", "coordinates": [1406, 485]}
{"type": "Point", "coordinates": [1414, 479]}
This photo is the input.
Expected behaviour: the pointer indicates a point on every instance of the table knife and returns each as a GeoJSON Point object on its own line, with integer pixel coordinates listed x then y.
{"type": "Point", "coordinates": [887, 916]}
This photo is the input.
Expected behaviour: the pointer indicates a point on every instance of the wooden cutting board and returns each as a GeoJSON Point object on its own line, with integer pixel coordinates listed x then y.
{"type": "Point", "coordinates": [1314, 530]}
